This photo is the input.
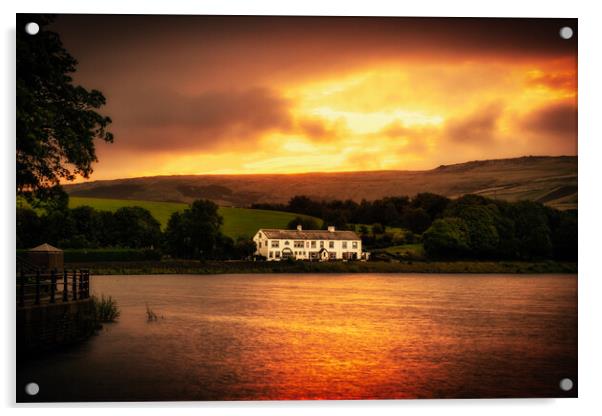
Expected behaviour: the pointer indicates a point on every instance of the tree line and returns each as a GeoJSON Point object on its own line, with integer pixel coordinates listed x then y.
{"type": "Point", "coordinates": [477, 227]}
{"type": "Point", "coordinates": [415, 214]}
{"type": "Point", "coordinates": [471, 226]}
{"type": "Point", "coordinates": [193, 233]}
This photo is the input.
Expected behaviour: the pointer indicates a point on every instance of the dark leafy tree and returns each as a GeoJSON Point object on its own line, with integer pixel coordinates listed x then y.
{"type": "Point", "coordinates": [59, 229]}
{"type": "Point", "coordinates": [483, 234]}
{"type": "Point", "coordinates": [447, 238]}
{"type": "Point", "coordinates": [306, 223]}
{"type": "Point", "coordinates": [87, 224]}
{"type": "Point", "coordinates": [433, 204]}
{"type": "Point", "coordinates": [29, 228]}
{"type": "Point", "coordinates": [377, 229]}
{"type": "Point", "coordinates": [532, 230]}
{"type": "Point", "coordinates": [136, 227]}
{"type": "Point", "coordinates": [304, 205]}
{"type": "Point", "coordinates": [244, 248]}
{"type": "Point", "coordinates": [195, 232]}
{"type": "Point", "coordinates": [335, 218]}
{"type": "Point", "coordinates": [57, 121]}
{"type": "Point", "coordinates": [416, 220]}
{"type": "Point", "coordinates": [107, 232]}
{"type": "Point", "coordinates": [564, 234]}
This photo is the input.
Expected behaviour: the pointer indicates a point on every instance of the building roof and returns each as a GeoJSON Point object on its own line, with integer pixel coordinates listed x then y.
{"type": "Point", "coordinates": [309, 234]}
{"type": "Point", "coordinates": [47, 248]}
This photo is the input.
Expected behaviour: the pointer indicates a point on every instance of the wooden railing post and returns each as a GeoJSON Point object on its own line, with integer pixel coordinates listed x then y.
{"type": "Point", "coordinates": [37, 302]}
{"type": "Point", "coordinates": [87, 284]}
{"type": "Point", "coordinates": [74, 284]}
{"type": "Point", "coordinates": [52, 285]}
{"type": "Point", "coordinates": [22, 289]}
{"type": "Point", "coordinates": [31, 288]}
{"type": "Point", "coordinates": [65, 287]}
{"type": "Point", "coordinates": [81, 284]}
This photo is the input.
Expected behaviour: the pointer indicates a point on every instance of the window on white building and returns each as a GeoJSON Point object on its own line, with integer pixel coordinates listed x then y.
{"type": "Point", "coordinates": [344, 244]}
{"type": "Point", "coordinates": [299, 244]}
{"type": "Point", "coordinates": [313, 244]}
{"type": "Point", "coordinates": [321, 244]}
{"type": "Point", "coordinates": [354, 244]}
{"type": "Point", "coordinates": [331, 244]}
{"type": "Point", "coordinates": [275, 244]}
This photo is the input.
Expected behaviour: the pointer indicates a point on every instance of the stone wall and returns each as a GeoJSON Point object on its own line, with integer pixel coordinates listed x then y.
{"type": "Point", "coordinates": [46, 327]}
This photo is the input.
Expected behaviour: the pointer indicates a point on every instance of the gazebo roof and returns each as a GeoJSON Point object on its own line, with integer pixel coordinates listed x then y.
{"type": "Point", "coordinates": [46, 248]}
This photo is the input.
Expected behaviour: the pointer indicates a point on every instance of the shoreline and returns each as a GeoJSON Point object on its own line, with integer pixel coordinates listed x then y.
{"type": "Point", "coordinates": [250, 267]}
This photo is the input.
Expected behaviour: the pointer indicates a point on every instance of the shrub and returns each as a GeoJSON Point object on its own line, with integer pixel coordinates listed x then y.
{"type": "Point", "coordinates": [106, 309]}
{"type": "Point", "coordinates": [151, 316]}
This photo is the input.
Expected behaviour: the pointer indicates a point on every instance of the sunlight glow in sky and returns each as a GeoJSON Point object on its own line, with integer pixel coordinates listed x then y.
{"type": "Point", "coordinates": [261, 96]}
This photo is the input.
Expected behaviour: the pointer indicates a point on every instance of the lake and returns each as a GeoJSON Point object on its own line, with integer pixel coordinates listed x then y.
{"type": "Point", "coordinates": [303, 336]}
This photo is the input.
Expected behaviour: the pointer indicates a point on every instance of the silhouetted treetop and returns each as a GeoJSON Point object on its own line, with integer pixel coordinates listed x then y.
{"type": "Point", "coordinates": [57, 120]}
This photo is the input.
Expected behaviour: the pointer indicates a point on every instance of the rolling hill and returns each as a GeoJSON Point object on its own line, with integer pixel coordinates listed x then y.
{"type": "Point", "coordinates": [237, 221]}
{"type": "Point", "coordinates": [550, 180]}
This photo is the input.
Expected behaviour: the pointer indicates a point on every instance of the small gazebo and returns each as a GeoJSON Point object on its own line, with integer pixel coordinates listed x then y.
{"type": "Point", "coordinates": [46, 257]}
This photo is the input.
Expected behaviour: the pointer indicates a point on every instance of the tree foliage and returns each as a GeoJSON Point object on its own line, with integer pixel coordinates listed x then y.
{"type": "Point", "coordinates": [447, 238]}
{"type": "Point", "coordinates": [195, 232]}
{"type": "Point", "coordinates": [306, 223]}
{"type": "Point", "coordinates": [57, 120]}
{"type": "Point", "coordinates": [524, 230]}
{"type": "Point", "coordinates": [85, 227]}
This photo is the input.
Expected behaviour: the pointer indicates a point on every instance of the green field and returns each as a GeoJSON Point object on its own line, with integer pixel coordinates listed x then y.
{"type": "Point", "coordinates": [160, 210]}
{"type": "Point", "coordinates": [237, 221]}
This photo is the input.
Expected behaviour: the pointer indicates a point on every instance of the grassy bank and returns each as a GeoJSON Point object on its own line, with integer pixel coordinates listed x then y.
{"type": "Point", "coordinates": [237, 221]}
{"type": "Point", "coordinates": [223, 267]}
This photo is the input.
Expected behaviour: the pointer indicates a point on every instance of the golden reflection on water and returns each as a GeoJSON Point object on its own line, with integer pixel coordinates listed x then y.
{"type": "Point", "coordinates": [245, 337]}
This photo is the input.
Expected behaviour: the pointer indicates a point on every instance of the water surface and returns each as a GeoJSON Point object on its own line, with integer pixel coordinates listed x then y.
{"type": "Point", "coordinates": [301, 336]}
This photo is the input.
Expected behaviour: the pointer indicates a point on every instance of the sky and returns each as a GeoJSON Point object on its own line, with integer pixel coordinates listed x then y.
{"type": "Point", "coordinates": [248, 95]}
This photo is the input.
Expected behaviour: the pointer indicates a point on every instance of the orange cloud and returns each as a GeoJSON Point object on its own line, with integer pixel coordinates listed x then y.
{"type": "Point", "coordinates": [478, 128]}
{"type": "Point", "coordinates": [219, 94]}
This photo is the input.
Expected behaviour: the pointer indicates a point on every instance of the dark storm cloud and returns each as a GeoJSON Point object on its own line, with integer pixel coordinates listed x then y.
{"type": "Point", "coordinates": [163, 120]}
{"type": "Point", "coordinates": [559, 119]}
{"type": "Point", "coordinates": [318, 129]}
{"type": "Point", "coordinates": [153, 120]}
{"type": "Point", "coordinates": [214, 58]}
{"type": "Point", "coordinates": [199, 86]}
{"type": "Point", "coordinates": [479, 127]}
{"type": "Point", "coordinates": [348, 34]}
{"type": "Point", "coordinates": [203, 52]}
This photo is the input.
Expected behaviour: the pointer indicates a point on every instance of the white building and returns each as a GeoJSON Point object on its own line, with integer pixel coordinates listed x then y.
{"type": "Point", "coordinates": [299, 244]}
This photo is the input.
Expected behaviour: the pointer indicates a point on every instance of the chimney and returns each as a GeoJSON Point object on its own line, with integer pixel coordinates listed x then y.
{"type": "Point", "coordinates": [331, 228]}
{"type": "Point", "coordinates": [299, 227]}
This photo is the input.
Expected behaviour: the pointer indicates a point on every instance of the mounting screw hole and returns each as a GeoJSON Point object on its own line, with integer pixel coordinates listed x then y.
{"type": "Point", "coordinates": [32, 28]}
{"type": "Point", "coordinates": [566, 32]}
{"type": "Point", "coordinates": [566, 384]}
{"type": "Point", "coordinates": [32, 389]}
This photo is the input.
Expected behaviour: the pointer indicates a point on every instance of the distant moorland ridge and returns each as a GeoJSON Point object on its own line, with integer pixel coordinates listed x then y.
{"type": "Point", "coordinates": [548, 179]}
